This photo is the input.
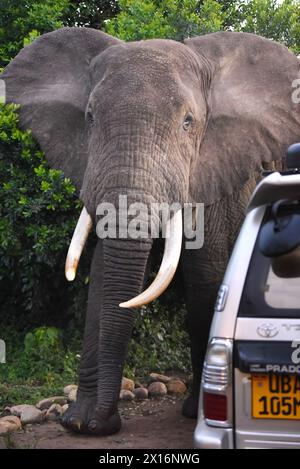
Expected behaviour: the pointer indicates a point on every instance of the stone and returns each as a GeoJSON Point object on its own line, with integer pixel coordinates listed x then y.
{"type": "Point", "coordinates": [32, 415]}
{"type": "Point", "coordinates": [65, 408]}
{"type": "Point", "coordinates": [157, 389]}
{"type": "Point", "coordinates": [127, 384]}
{"type": "Point", "coordinates": [69, 388]}
{"type": "Point", "coordinates": [47, 403]}
{"type": "Point", "coordinates": [10, 423]}
{"type": "Point", "coordinates": [126, 395]}
{"type": "Point", "coordinates": [17, 409]}
{"type": "Point", "coordinates": [72, 395]}
{"type": "Point", "coordinates": [176, 387]}
{"type": "Point", "coordinates": [158, 377]}
{"type": "Point", "coordinates": [137, 384]}
{"type": "Point", "coordinates": [54, 412]}
{"type": "Point", "coordinates": [140, 393]}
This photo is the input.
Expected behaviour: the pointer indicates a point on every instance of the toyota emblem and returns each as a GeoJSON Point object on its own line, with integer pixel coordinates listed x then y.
{"type": "Point", "coordinates": [267, 330]}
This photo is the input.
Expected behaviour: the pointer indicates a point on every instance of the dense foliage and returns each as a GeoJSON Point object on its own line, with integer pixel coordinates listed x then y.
{"type": "Point", "coordinates": [269, 18]}
{"type": "Point", "coordinates": [92, 13]}
{"type": "Point", "coordinates": [41, 315]}
{"type": "Point", "coordinates": [147, 19]}
{"type": "Point", "coordinates": [140, 19]}
{"type": "Point", "coordinates": [37, 216]}
{"type": "Point", "coordinates": [21, 18]}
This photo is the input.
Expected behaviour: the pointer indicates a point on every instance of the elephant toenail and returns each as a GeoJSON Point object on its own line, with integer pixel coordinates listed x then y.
{"type": "Point", "coordinates": [76, 424]}
{"type": "Point", "coordinates": [93, 425]}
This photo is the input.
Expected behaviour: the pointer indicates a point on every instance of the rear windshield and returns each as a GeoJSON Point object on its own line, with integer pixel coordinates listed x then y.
{"type": "Point", "coordinates": [267, 295]}
{"type": "Point", "coordinates": [282, 292]}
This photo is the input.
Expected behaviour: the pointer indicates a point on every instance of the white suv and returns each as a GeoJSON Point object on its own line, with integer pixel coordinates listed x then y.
{"type": "Point", "coordinates": [250, 391]}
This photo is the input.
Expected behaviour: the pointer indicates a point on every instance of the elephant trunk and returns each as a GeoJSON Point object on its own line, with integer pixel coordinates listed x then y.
{"type": "Point", "coordinates": [123, 274]}
{"type": "Point", "coordinates": [168, 265]}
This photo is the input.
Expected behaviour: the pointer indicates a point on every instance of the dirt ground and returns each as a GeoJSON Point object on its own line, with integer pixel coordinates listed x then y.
{"type": "Point", "coordinates": [150, 424]}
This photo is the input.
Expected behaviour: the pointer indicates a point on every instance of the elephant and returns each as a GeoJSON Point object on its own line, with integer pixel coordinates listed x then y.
{"type": "Point", "coordinates": [157, 121]}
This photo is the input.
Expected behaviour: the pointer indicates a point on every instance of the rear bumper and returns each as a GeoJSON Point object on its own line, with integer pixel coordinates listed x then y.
{"type": "Point", "coordinates": [259, 440]}
{"type": "Point", "coordinates": [206, 437]}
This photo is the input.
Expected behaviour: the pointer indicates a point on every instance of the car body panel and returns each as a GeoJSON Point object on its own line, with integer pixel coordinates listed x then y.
{"type": "Point", "coordinates": [246, 431]}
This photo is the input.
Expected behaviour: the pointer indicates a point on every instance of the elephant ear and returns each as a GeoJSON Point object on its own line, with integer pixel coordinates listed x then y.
{"type": "Point", "coordinates": [50, 80]}
{"type": "Point", "coordinates": [252, 117]}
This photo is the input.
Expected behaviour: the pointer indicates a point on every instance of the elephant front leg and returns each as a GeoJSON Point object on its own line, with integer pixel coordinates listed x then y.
{"type": "Point", "coordinates": [202, 277]}
{"type": "Point", "coordinates": [124, 266]}
{"type": "Point", "coordinates": [203, 270]}
{"type": "Point", "coordinates": [200, 306]}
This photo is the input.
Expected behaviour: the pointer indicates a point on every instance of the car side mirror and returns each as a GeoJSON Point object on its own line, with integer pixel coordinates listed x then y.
{"type": "Point", "coordinates": [293, 156]}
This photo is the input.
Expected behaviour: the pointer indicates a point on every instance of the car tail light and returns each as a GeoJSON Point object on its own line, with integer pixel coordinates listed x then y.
{"type": "Point", "coordinates": [217, 383]}
{"type": "Point", "coordinates": [215, 406]}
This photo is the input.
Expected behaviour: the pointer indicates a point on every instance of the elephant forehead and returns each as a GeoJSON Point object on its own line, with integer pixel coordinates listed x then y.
{"type": "Point", "coordinates": [158, 51]}
{"type": "Point", "coordinates": [151, 61]}
{"type": "Point", "coordinates": [155, 71]}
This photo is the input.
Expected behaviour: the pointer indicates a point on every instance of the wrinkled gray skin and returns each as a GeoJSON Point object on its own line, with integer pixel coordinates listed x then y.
{"type": "Point", "coordinates": [111, 115]}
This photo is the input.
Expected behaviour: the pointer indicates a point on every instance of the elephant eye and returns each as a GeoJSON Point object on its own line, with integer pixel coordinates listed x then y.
{"type": "Point", "coordinates": [188, 120]}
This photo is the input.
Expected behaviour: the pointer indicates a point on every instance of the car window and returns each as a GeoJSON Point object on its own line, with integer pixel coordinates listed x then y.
{"type": "Point", "coordinates": [265, 294]}
{"type": "Point", "coordinates": [282, 292]}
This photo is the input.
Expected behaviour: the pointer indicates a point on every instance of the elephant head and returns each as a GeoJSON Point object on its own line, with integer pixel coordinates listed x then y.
{"type": "Point", "coordinates": [157, 121]}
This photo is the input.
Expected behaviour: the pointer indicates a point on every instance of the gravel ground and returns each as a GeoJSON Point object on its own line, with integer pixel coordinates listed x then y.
{"type": "Point", "coordinates": [150, 424]}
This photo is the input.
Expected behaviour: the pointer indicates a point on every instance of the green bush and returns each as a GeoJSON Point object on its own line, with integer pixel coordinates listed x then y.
{"type": "Point", "coordinates": [169, 19]}
{"type": "Point", "coordinates": [18, 18]}
{"type": "Point", "coordinates": [37, 366]}
{"type": "Point", "coordinates": [159, 342]}
{"type": "Point", "coordinates": [43, 361]}
{"type": "Point", "coordinates": [38, 212]}
{"type": "Point", "coordinates": [40, 360]}
{"type": "Point", "coordinates": [277, 20]}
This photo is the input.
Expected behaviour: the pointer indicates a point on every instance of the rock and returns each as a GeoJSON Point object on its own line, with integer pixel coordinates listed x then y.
{"type": "Point", "coordinates": [27, 413]}
{"type": "Point", "coordinates": [17, 409]}
{"type": "Point", "coordinates": [47, 403]}
{"type": "Point", "coordinates": [8, 424]}
{"type": "Point", "coordinates": [141, 393]}
{"type": "Point", "coordinates": [69, 388]}
{"type": "Point", "coordinates": [127, 384]}
{"type": "Point", "coordinates": [126, 395]}
{"type": "Point", "coordinates": [137, 384]}
{"type": "Point", "coordinates": [65, 408]}
{"type": "Point", "coordinates": [176, 387]}
{"type": "Point", "coordinates": [54, 412]}
{"type": "Point", "coordinates": [72, 395]}
{"type": "Point", "coordinates": [157, 389]}
{"type": "Point", "coordinates": [158, 377]}
{"type": "Point", "coordinates": [32, 415]}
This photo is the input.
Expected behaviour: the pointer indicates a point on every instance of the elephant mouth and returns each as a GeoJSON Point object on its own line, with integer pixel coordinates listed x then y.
{"type": "Point", "coordinates": [172, 250]}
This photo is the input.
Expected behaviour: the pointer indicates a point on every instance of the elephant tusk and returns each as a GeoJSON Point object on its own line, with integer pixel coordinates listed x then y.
{"type": "Point", "coordinates": [168, 266]}
{"type": "Point", "coordinates": [80, 235]}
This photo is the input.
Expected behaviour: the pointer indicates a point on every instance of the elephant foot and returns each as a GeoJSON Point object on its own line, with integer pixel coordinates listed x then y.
{"type": "Point", "coordinates": [102, 427]}
{"type": "Point", "coordinates": [190, 407]}
{"type": "Point", "coordinates": [83, 417]}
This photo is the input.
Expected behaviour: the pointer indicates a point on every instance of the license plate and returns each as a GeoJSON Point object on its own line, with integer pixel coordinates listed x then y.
{"type": "Point", "coordinates": [276, 397]}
